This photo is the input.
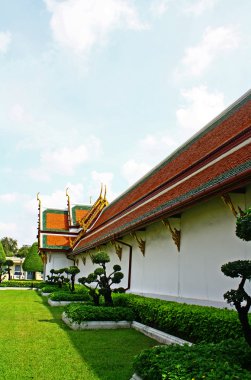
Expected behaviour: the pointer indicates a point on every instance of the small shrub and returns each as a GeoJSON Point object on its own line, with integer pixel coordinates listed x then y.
{"type": "Point", "coordinates": [51, 289]}
{"type": "Point", "coordinates": [80, 312]}
{"type": "Point", "coordinates": [66, 296]}
{"type": "Point", "coordinates": [190, 322]}
{"type": "Point", "coordinates": [23, 283]}
{"type": "Point", "coordinates": [201, 361]}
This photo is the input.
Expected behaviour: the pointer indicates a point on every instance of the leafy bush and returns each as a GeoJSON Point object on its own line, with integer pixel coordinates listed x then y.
{"type": "Point", "coordinates": [23, 283]}
{"type": "Point", "coordinates": [243, 225]}
{"type": "Point", "coordinates": [211, 361]}
{"type": "Point", "coordinates": [66, 296]}
{"type": "Point", "coordinates": [51, 289]}
{"type": "Point", "coordinates": [190, 322]}
{"type": "Point", "coordinates": [80, 312]}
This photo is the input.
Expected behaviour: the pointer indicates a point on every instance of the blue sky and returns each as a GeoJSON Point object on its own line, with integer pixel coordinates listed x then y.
{"type": "Point", "coordinates": [102, 90]}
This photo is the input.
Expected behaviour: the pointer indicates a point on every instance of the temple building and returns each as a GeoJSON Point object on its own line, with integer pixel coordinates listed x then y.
{"type": "Point", "coordinates": [174, 228]}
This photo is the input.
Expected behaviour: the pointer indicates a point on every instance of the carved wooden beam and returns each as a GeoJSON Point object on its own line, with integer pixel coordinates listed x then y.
{"type": "Point", "coordinates": [176, 234]}
{"type": "Point", "coordinates": [141, 243]}
{"type": "Point", "coordinates": [118, 249]}
{"type": "Point", "coordinates": [228, 202]}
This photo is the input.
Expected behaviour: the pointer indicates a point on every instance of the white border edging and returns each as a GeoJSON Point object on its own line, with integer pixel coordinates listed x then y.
{"type": "Point", "coordinates": [158, 335]}
{"type": "Point", "coordinates": [135, 377]}
{"type": "Point", "coordinates": [93, 325]}
{"type": "Point", "coordinates": [61, 303]}
{"type": "Point", "coordinates": [45, 294]}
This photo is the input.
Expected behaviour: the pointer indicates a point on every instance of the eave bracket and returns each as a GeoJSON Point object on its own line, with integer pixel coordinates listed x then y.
{"type": "Point", "coordinates": [141, 243]}
{"type": "Point", "coordinates": [118, 249]}
{"type": "Point", "coordinates": [228, 202]}
{"type": "Point", "coordinates": [176, 234]}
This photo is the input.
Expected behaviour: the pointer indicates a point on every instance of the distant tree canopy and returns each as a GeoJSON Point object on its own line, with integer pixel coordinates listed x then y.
{"type": "Point", "coordinates": [2, 254]}
{"type": "Point", "coordinates": [23, 251]}
{"type": "Point", "coordinates": [10, 246]}
{"type": "Point", "coordinates": [33, 262]}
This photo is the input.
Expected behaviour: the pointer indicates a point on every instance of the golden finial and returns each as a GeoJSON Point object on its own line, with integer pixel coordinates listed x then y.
{"type": "Point", "coordinates": [39, 200]}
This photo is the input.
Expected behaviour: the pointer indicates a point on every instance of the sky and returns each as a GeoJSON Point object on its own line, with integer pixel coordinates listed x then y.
{"type": "Point", "coordinates": [100, 91]}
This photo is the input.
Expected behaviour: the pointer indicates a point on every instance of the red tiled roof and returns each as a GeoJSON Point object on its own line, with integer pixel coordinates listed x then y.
{"type": "Point", "coordinates": [206, 143]}
{"type": "Point", "coordinates": [185, 177]}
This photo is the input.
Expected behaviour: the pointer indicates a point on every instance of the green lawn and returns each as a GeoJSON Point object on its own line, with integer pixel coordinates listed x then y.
{"type": "Point", "coordinates": [35, 344]}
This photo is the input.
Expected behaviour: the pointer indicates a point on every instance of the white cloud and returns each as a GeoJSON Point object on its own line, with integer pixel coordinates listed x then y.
{"type": "Point", "coordinates": [81, 24]}
{"type": "Point", "coordinates": [5, 40]}
{"type": "Point", "coordinates": [58, 199]}
{"type": "Point", "coordinates": [8, 197]}
{"type": "Point", "coordinates": [201, 107]}
{"type": "Point", "coordinates": [65, 160]}
{"type": "Point", "coordinates": [132, 170]}
{"type": "Point", "coordinates": [199, 6]}
{"type": "Point", "coordinates": [156, 146]}
{"type": "Point", "coordinates": [150, 151]}
{"type": "Point", "coordinates": [7, 229]}
{"type": "Point", "coordinates": [105, 178]}
{"type": "Point", "coordinates": [214, 42]}
{"type": "Point", "coordinates": [159, 7]}
{"type": "Point", "coordinates": [19, 114]}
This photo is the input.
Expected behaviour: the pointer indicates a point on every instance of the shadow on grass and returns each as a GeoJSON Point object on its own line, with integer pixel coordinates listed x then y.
{"type": "Point", "coordinates": [109, 353]}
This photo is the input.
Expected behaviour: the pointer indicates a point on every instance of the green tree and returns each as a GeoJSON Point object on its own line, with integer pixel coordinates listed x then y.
{"type": "Point", "coordinates": [9, 264]}
{"type": "Point", "coordinates": [241, 269]}
{"type": "Point", "coordinates": [10, 246]}
{"type": "Point", "coordinates": [23, 251]}
{"type": "Point", "coordinates": [33, 262]}
{"type": "Point", "coordinates": [2, 261]}
{"type": "Point", "coordinates": [102, 279]}
{"type": "Point", "coordinates": [72, 271]}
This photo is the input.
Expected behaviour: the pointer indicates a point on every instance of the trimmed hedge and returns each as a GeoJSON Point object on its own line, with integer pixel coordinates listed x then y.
{"type": "Point", "coordinates": [22, 284]}
{"type": "Point", "coordinates": [189, 322]}
{"type": "Point", "coordinates": [211, 361]}
{"type": "Point", "coordinates": [80, 312]}
{"type": "Point", "coordinates": [67, 296]}
{"type": "Point", "coordinates": [52, 289]}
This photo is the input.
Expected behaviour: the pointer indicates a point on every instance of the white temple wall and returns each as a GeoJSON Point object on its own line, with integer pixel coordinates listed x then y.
{"type": "Point", "coordinates": [89, 267]}
{"type": "Point", "coordinates": [56, 261]}
{"type": "Point", "coordinates": [208, 240]}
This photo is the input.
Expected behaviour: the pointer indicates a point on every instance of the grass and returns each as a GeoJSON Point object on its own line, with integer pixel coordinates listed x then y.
{"type": "Point", "coordinates": [36, 344]}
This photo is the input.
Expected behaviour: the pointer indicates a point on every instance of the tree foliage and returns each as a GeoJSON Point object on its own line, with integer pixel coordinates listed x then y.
{"type": "Point", "coordinates": [2, 254]}
{"type": "Point", "coordinates": [23, 251]}
{"type": "Point", "coordinates": [72, 271]}
{"type": "Point", "coordinates": [243, 225]}
{"type": "Point", "coordinates": [241, 269]}
{"type": "Point", "coordinates": [33, 262]}
{"type": "Point", "coordinates": [2, 261]}
{"type": "Point", "coordinates": [10, 246]}
{"type": "Point", "coordinates": [102, 280]}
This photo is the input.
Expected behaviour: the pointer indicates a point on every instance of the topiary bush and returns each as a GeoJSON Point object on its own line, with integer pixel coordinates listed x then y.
{"type": "Point", "coordinates": [103, 281]}
{"type": "Point", "coordinates": [243, 225]}
{"type": "Point", "coordinates": [239, 297]}
{"type": "Point", "coordinates": [220, 361]}
{"type": "Point", "coordinates": [80, 313]}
